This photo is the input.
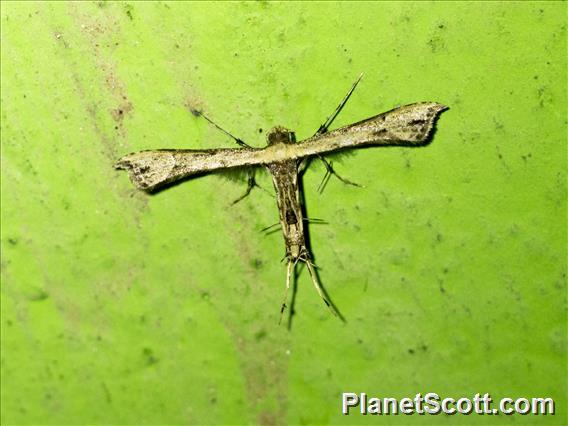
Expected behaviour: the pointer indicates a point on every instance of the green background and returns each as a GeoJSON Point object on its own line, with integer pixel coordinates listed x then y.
{"type": "Point", "coordinates": [124, 308]}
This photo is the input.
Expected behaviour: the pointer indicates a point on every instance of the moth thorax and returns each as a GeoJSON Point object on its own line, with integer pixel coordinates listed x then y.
{"type": "Point", "coordinates": [280, 135]}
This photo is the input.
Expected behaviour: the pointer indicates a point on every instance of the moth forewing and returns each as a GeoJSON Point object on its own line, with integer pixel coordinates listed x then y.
{"type": "Point", "coordinates": [149, 170]}
{"type": "Point", "coordinates": [406, 125]}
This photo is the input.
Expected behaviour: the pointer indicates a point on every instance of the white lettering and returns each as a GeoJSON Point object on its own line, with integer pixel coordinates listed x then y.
{"type": "Point", "coordinates": [539, 407]}
{"type": "Point", "coordinates": [418, 400]}
{"type": "Point", "coordinates": [487, 404]}
{"type": "Point", "coordinates": [522, 410]}
{"type": "Point", "coordinates": [363, 405]}
{"type": "Point", "coordinates": [390, 406]}
{"type": "Point", "coordinates": [406, 406]}
{"type": "Point", "coordinates": [460, 405]}
{"type": "Point", "coordinates": [349, 400]}
{"type": "Point", "coordinates": [432, 400]}
{"type": "Point", "coordinates": [503, 406]}
{"type": "Point", "coordinates": [431, 403]}
{"type": "Point", "coordinates": [445, 408]}
{"type": "Point", "coordinates": [374, 406]}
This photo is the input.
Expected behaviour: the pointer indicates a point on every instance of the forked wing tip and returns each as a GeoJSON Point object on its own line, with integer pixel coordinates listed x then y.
{"type": "Point", "coordinates": [139, 174]}
{"type": "Point", "coordinates": [120, 165]}
{"type": "Point", "coordinates": [124, 162]}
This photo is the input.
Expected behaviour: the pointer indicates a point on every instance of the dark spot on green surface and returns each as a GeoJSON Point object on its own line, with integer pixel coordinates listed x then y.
{"type": "Point", "coordinates": [526, 157]}
{"type": "Point", "coordinates": [259, 130]}
{"type": "Point", "coordinates": [256, 263]}
{"type": "Point", "coordinates": [128, 8]}
{"type": "Point", "coordinates": [107, 393]}
{"type": "Point", "coordinates": [436, 44]}
{"type": "Point", "coordinates": [149, 356]}
{"type": "Point", "coordinates": [13, 241]}
{"type": "Point", "coordinates": [543, 95]}
{"type": "Point", "coordinates": [9, 323]}
{"type": "Point", "coordinates": [411, 351]}
{"type": "Point", "coordinates": [205, 295]}
{"type": "Point", "coordinates": [38, 296]}
{"type": "Point", "coordinates": [424, 347]}
{"type": "Point", "coordinates": [213, 400]}
{"type": "Point", "coordinates": [259, 335]}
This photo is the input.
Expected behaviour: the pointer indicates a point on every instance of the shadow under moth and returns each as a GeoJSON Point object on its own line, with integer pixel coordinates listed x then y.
{"type": "Point", "coordinates": [286, 159]}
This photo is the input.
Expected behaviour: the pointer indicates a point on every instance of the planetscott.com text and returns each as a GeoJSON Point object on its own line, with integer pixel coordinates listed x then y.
{"type": "Point", "coordinates": [432, 403]}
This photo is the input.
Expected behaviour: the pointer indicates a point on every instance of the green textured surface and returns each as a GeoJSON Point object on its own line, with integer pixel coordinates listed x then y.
{"type": "Point", "coordinates": [120, 308]}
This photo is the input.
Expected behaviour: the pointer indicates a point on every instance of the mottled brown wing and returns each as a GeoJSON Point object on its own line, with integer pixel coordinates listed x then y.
{"type": "Point", "coordinates": [149, 170]}
{"type": "Point", "coordinates": [407, 125]}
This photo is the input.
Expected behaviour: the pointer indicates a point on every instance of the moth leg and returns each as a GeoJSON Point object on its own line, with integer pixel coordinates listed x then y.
{"type": "Point", "coordinates": [319, 289]}
{"type": "Point", "coordinates": [303, 164]}
{"type": "Point", "coordinates": [251, 183]}
{"type": "Point", "coordinates": [268, 229]}
{"type": "Point", "coordinates": [325, 126]}
{"type": "Point", "coordinates": [289, 270]}
{"type": "Point", "coordinates": [315, 220]}
{"type": "Point", "coordinates": [329, 172]}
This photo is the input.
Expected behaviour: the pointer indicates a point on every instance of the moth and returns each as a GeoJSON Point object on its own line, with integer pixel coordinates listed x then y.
{"type": "Point", "coordinates": [285, 159]}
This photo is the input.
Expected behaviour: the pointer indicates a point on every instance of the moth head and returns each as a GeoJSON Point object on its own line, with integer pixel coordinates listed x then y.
{"type": "Point", "coordinates": [280, 135]}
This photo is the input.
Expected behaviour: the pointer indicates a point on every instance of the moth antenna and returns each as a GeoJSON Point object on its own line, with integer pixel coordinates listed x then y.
{"type": "Point", "coordinates": [325, 126]}
{"type": "Point", "coordinates": [239, 141]}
